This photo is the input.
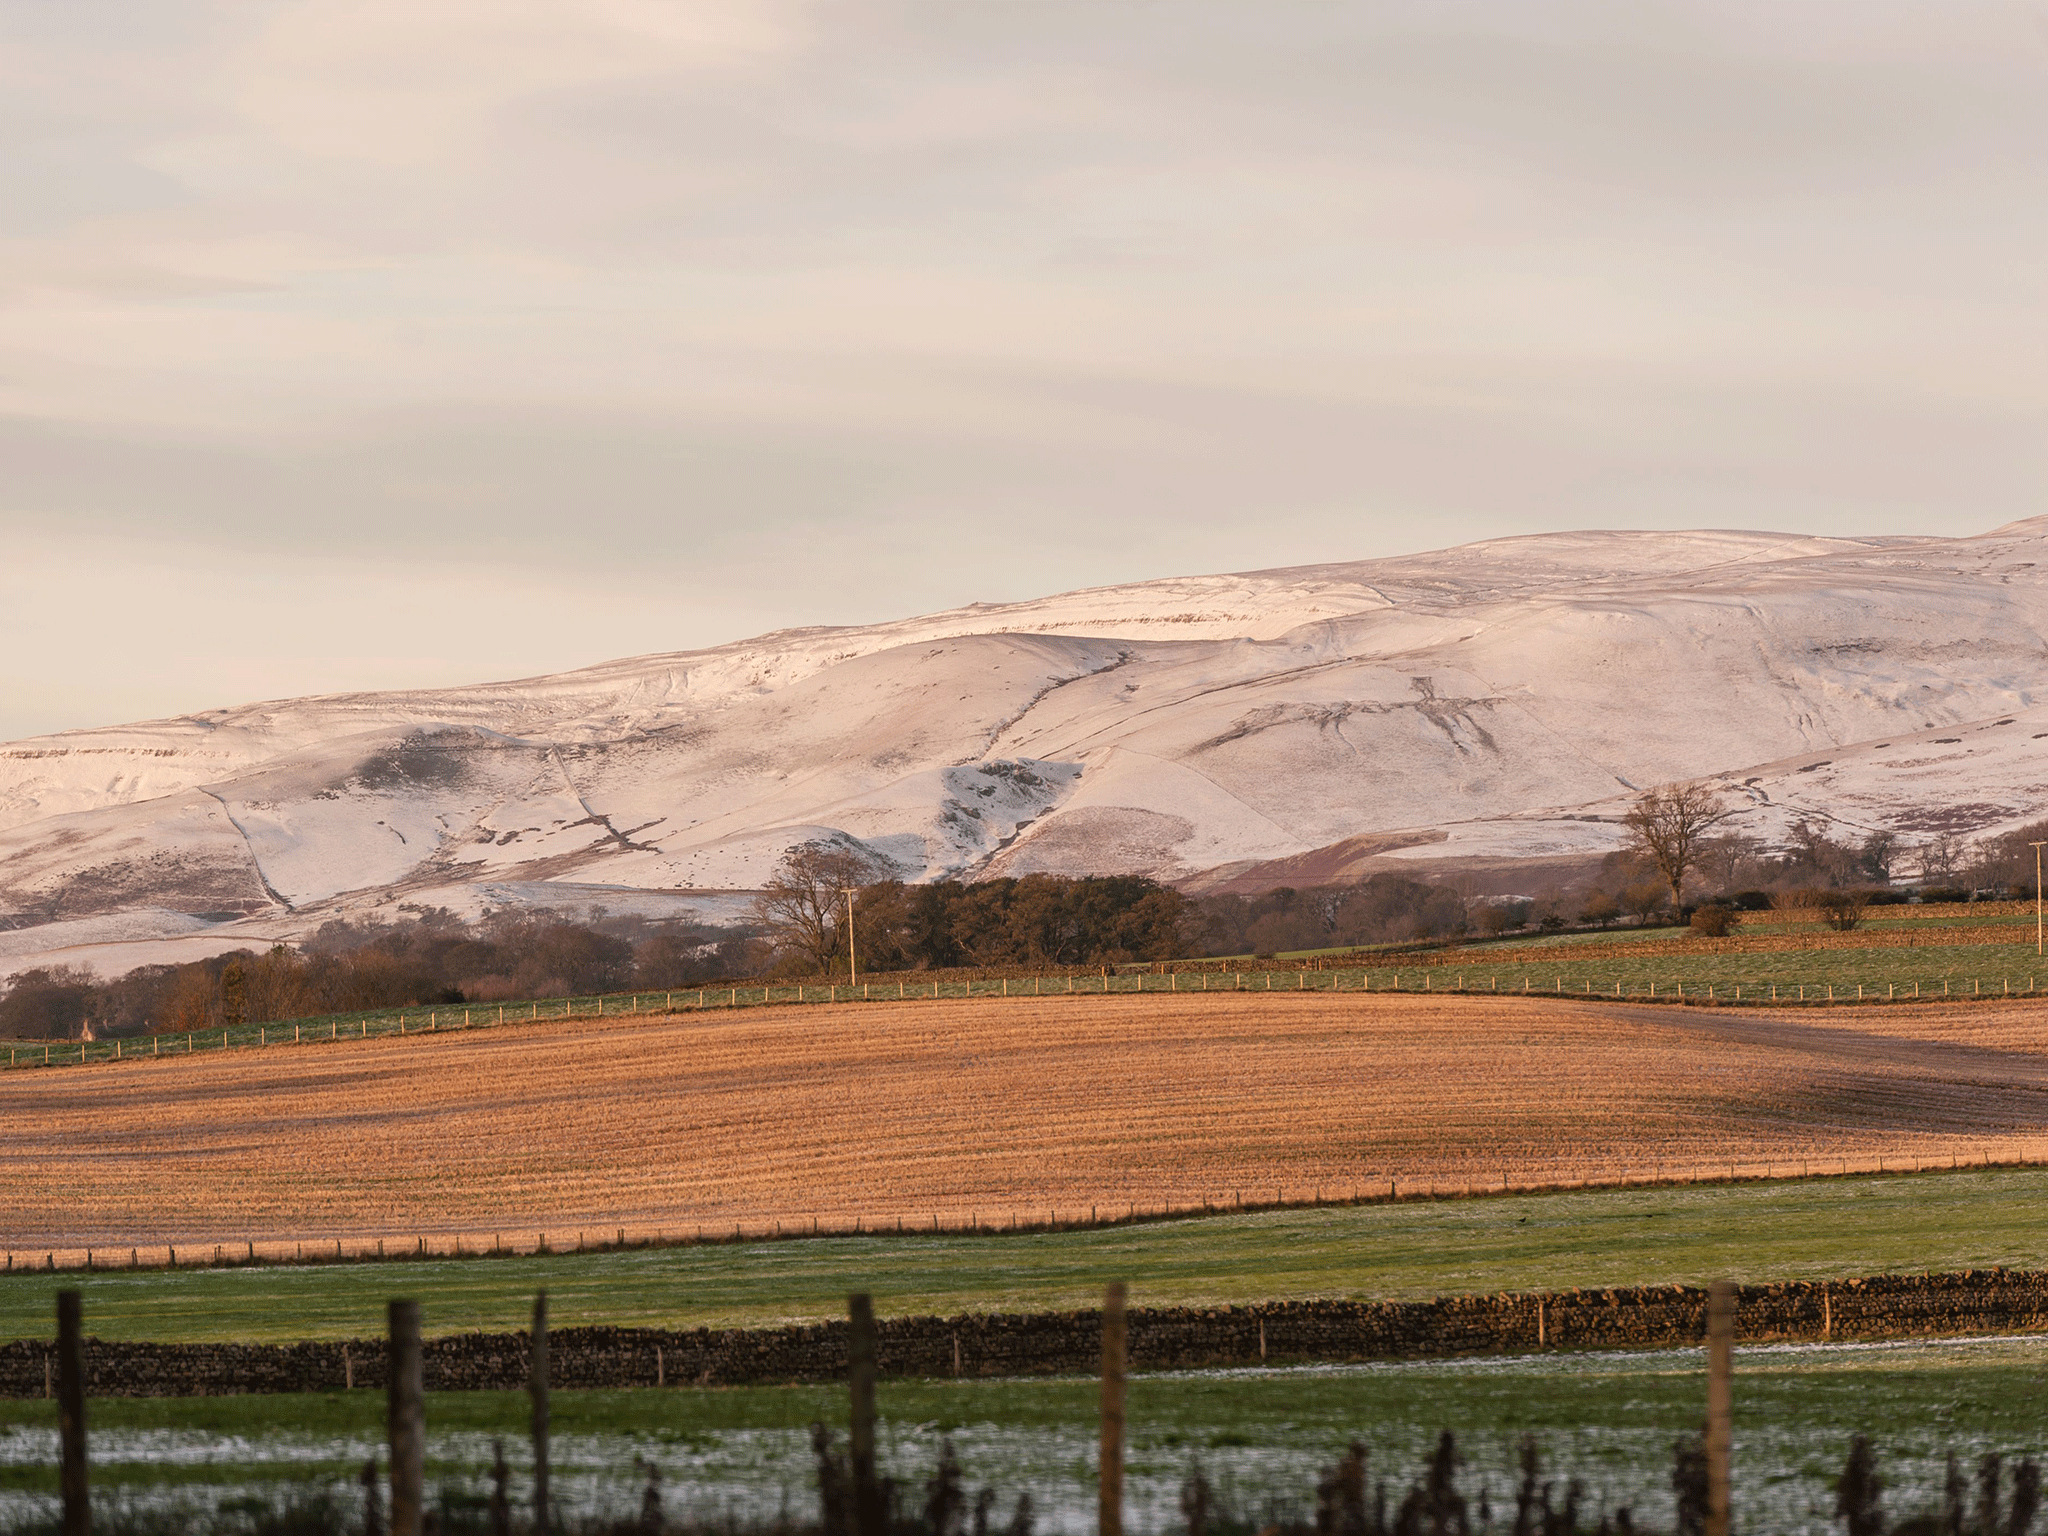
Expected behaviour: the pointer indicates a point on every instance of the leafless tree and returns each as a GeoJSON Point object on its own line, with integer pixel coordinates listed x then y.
{"type": "Point", "coordinates": [1669, 823]}
{"type": "Point", "coordinates": [803, 906]}
{"type": "Point", "coordinates": [1810, 854]}
{"type": "Point", "coordinates": [1942, 858]}
{"type": "Point", "coordinates": [1842, 910]}
{"type": "Point", "coordinates": [1600, 907]}
{"type": "Point", "coordinates": [1644, 899]}
{"type": "Point", "coordinates": [1879, 852]}
{"type": "Point", "coordinates": [1729, 861]}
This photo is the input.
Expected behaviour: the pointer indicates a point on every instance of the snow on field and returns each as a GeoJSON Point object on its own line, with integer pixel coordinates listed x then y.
{"type": "Point", "coordinates": [1616, 1443]}
{"type": "Point", "coordinates": [1503, 700]}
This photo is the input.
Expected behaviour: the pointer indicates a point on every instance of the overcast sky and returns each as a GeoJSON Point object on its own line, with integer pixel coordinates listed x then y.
{"type": "Point", "coordinates": [364, 343]}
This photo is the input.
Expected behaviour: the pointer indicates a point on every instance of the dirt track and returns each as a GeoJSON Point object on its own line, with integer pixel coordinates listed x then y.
{"type": "Point", "coordinates": [990, 1108]}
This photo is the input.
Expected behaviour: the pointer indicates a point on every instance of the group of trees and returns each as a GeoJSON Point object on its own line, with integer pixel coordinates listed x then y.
{"type": "Point", "coordinates": [1673, 844]}
{"type": "Point", "coordinates": [1033, 920]}
{"type": "Point", "coordinates": [1056, 920]}
{"type": "Point", "coordinates": [1678, 848]}
{"type": "Point", "coordinates": [1383, 909]}
{"type": "Point", "coordinates": [427, 957]}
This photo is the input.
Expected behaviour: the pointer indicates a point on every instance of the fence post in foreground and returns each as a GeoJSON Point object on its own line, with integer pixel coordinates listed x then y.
{"type": "Point", "coordinates": [538, 1388]}
{"type": "Point", "coordinates": [868, 1513]}
{"type": "Point", "coordinates": [71, 1417]}
{"type": "Point", "coordinates": [1720, 1401]}
{"type": "Point", "coordinates": [407, 1423]}
{"type": "Point", "coordinates": [1114, 1364]}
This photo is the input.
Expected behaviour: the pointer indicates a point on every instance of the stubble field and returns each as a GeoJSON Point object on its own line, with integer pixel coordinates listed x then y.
{"type": "Point", "coordinates": [984, 1112]}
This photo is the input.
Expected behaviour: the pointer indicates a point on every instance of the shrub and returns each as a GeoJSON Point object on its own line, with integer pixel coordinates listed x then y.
{"type": "Point", "coordinates": [1840, 910]}
{"type": "Point", "coordinates": [1716, 920]}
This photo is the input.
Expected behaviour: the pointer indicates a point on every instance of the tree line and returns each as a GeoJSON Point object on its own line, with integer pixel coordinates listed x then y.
{"type": "Point", "coordinates": [799, 930]}
{"type": "Point", "coordinates": [1033, 920]}
{"type": "Point", "coordinates": [1678, 855]}
{"type": "Point", "coordinates": [1382, 909]}
{"type": "Point", "coordinates": [424, 957]}
{"type": "Point", "coordinates": [1676, 848]}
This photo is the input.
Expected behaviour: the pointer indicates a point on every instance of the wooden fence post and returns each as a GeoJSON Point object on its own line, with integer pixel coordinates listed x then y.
{"type": "Point", "coordinates": [71, 1417]}
{"type": "Point", "coordinates": [537, 1386]}
{"type": "Point", "coordinates": [1720, 1401]}
{"type": "Point", "coordinates": [407, 1423]}
{"type": "Point", "coordinates": [1115, 1361]}
{"type": "Point", "coordinates": [868, 1514]}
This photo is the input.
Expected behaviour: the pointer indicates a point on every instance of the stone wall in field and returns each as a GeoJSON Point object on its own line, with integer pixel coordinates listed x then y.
{"type": "Point", "coordinates": [997, 1344]}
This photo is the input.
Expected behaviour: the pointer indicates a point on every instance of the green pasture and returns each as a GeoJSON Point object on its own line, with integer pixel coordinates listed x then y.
{"type": "Point", "coordinates": [1780, 1229]}
{"type": "Point", "coordinates": [1827, 975]}
{"type": "Point", "coordinates": [1261, 1436]}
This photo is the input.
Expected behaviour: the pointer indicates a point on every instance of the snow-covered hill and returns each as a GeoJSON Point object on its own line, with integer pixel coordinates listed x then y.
{"type": "Point", "coordinates": [1500, 700]}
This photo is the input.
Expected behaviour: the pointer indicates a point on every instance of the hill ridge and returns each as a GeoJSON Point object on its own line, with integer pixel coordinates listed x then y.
{"type": "Point", "coordinates": [1496, 701]}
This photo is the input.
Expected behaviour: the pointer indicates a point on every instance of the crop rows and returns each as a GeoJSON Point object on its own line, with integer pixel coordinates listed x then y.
{"type": "Point", "coordinates": [967, 1113]}
{"type": "Point", "coordinates": [1790, 976]}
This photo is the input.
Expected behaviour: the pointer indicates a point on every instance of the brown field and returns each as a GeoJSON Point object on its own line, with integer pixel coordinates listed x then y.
{"type": "Point", "coordinates": [986, 1110]}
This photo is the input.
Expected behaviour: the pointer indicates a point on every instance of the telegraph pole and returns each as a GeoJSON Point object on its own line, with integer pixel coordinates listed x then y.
{"type": "Point", "coordinates": [852, 962]}
{"type": "Point", "coordinates": [2037, 896]}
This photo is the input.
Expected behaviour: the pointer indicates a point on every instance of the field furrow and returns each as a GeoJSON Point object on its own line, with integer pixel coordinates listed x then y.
{"type": "Point", "coordinates": [991, 1111]}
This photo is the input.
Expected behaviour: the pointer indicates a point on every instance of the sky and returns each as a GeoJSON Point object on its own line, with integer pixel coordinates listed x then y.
{"type": "Point", "coordinates": [379, 343]}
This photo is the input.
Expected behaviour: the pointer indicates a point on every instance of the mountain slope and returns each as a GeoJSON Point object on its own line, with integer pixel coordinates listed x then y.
{"type": "Point", "coordinates": [1503, 700]}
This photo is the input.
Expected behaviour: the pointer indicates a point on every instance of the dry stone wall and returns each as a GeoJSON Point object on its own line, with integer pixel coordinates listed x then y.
{"type": "Point", "coordinates": [1025, 1344]}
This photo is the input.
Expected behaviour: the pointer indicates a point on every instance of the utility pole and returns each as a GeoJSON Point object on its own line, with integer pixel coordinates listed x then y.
{"type": "Point", "coordinates": [2037, 896]}
{"type": "Point", "coordinates": [852, 961]}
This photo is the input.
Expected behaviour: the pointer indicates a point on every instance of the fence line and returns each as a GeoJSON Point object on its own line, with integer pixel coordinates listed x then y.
{"type": "Point", "coordinates": [2002, 1153]}
{"type": "Point", "coordinates": [442, 1019]}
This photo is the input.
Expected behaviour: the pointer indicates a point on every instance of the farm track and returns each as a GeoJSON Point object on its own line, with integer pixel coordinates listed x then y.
{"type": "Point", "coordinates": [986, 1110]}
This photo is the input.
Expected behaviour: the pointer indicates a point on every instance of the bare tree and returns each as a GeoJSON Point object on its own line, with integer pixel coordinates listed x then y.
{"type": "Point", "coordinates": [1644, 899]}
{"type": "Point", "coordinates": [803, 906]}
{"type": "Point", "coordinates": [1600, 907]}
{"type": "Point", "coordinates": [1668, 824]}
{"type": "Point", "coordinates": [1879, 852]}
{"type": "Point", "coordinates": [1728, 861]}
{"type": "Point", "coordinates": [1811, 854]}
{"type": "Point", "coordinates": [1842, 910]}
{"type": "Point", "coordinates": [1942, 857]}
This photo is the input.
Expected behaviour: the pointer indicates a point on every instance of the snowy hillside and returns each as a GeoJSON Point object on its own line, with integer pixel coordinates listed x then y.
{"type": "Point", "coordinates": [1500, 700]}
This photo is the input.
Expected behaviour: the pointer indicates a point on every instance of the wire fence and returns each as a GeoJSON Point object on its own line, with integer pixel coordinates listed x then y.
{"type": "Point", "coordinates": [1564, 982]}
{"type": "Point", "coordinates": [995, 1220]}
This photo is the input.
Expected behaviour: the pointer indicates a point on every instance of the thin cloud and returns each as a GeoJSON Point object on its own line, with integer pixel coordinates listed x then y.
{"type": "Point", "coordinates": [864, 308]}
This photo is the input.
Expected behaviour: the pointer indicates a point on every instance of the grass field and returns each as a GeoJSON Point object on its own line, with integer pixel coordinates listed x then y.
{"type": "Point", "coordinates": [1262, 1436]}
{"type": "Point", "coordinates": [1971, 950]}
{"type": "Point", "coordinates": [1836, 976]}
{"type": "Point", "coordinates": [981, 1112]}
{"type": "Point", "coordinates": [1811, 1229]}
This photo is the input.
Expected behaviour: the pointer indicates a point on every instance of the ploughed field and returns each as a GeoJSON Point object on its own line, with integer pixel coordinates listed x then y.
{"type": "Point", "coordinates": [986, 1112]}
